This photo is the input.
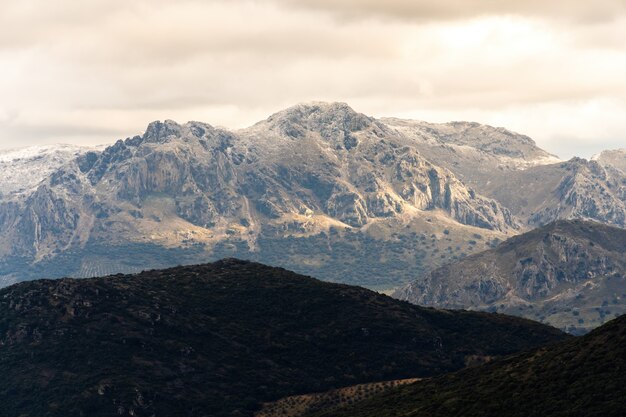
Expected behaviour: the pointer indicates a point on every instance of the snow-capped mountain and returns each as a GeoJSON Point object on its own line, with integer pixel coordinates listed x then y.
{"type": "Point", "coordinates": [318, 188]}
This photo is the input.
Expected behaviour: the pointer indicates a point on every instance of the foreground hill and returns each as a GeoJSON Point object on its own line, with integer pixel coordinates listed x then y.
{"type": "Point", "coordinates": [571, 274]}
{"type": "Point", "coordinates": [581, 377]}
{"type": "Point", "coordinates": [219, 339]}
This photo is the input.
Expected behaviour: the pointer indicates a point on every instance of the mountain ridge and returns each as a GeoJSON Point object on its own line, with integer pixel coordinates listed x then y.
{"type": "Point", "coordinates": [308, 169]}
{"type": "Point", "coordinates": [568, 273]}
{"type": "Point", "coordinates": [313, 187]}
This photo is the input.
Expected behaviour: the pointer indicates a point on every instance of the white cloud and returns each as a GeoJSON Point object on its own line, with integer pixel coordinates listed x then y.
{"type": "Point", "coordinates": [94, 71]}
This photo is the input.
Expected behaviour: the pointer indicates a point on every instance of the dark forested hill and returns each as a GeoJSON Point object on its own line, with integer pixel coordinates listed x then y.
{"type": "Point", "coordinates": [217, 339]}
{"type": "Point", "coordinates": [581, 377]}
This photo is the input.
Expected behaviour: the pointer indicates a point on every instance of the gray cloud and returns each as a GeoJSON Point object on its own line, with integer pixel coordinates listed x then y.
{"type": "Point", "coordinates": [425, 10]}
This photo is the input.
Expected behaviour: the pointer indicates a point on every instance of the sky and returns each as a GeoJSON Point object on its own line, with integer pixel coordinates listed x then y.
{"type": "Point", "coordinates": [93, 71]}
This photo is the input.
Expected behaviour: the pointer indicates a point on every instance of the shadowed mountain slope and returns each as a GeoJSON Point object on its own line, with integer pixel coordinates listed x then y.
{"type": "Point", "coordinates": [218, 339]}
{"type": "Point", "coordinates": [580, 378]}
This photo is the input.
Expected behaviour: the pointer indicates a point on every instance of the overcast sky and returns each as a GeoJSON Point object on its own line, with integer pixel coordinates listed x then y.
{"type": "Point", "coordinates": [92, 71]}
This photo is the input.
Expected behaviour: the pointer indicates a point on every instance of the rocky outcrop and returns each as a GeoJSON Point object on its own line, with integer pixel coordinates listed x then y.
{"type": "Point", "coordinates": [587, 191]}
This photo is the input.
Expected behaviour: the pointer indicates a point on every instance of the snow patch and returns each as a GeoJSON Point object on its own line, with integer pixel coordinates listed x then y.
{"type": "Point", "coordinates": [23, 169]}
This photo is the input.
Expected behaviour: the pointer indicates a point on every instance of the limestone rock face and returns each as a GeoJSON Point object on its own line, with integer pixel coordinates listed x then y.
{"type": "Point", "coordinates": [569, 273]}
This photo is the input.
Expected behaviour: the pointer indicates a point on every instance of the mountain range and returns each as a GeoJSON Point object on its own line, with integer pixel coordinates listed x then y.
{"type": "Point", "coordinates": [218, 339]}
{"type": "Point", "coordinates": [318, 188]}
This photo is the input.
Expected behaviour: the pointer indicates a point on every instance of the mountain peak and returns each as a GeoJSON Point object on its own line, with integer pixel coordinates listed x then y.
{"type": "Point", "coordinates": [163, 131]}
{"type": "Point", "coordinates": [615, 158]}
{"type": "Point", "coordinates": [303, 109]}
{"type": "Point", "coordinates": [160, 132]}
{"type": "Point", "coordinates": [328, 119]}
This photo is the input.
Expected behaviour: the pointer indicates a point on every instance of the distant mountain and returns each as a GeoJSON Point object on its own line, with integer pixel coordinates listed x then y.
{"type": "Point", "coordinates": [614, 158]}
{"type": "Point", "coordinates": [581, 377]}
{"type": "Point", "coordinates": [218, 339]}
{"type": "Point", "coordinates": [475, 153]}
{"type": "Point", "coordinates": [576, 189]}
{"type": "Point", "coordinates": [318, 188]}
{"type": "Point", "coordinates": [534, 185]}
{"type": "Point", "coordinates": [23, 169]}
{"type": "Point", "coordinates": [571, 274]}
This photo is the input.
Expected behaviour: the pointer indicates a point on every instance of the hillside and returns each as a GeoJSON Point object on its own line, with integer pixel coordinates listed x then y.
{"type": "Point", "coordinates": [581, 377]}
{"type": "Point", "coordinates": [219, 339]}
{"type": "Point", "coordinates": [570, 274]}
{"type": "Point", "coordinates": [299, 405]}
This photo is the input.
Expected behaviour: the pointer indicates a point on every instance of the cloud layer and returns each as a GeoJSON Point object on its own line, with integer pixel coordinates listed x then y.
{"type": "Point", "coordinates": [94, 71]}
{"type": "Point", "coordinates": [580, 11]}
